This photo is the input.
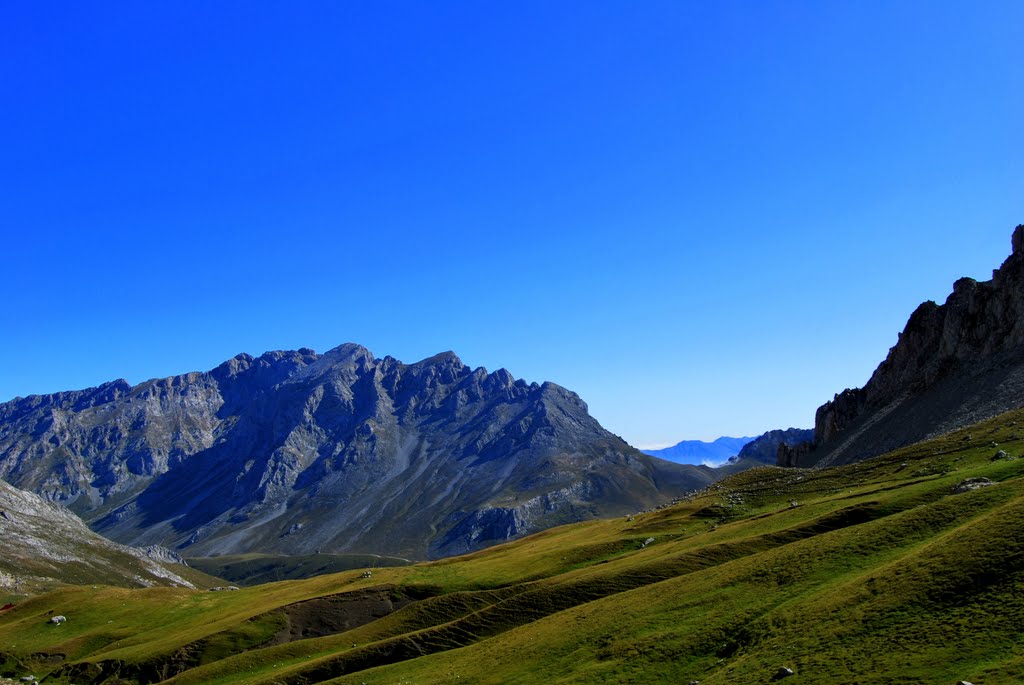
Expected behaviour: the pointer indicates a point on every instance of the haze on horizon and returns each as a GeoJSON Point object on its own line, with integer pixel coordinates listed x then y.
{"type": "Point", "coordinates": [703, 218]}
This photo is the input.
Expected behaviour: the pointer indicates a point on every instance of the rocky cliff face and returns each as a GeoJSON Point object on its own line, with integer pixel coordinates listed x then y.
{"type": "Point", "coordinates": [765, 448]}
{"type": "Point", "coordinates": [297, 452]}
{"type": "Point", "coordinates": [43, 544]}
{"type": "Point", "coordinates": [954, 364]}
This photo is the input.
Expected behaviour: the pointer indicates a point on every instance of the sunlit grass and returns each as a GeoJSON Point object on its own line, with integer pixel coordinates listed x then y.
{"type": "Point", "coordinates": [874, 572]}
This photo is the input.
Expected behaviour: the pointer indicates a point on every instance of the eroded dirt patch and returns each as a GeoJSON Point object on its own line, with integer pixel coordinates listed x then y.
{"type": "Point", "coordinates": [337, 613]}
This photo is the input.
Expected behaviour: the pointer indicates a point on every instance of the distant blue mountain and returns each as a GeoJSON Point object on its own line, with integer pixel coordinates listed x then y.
{"type": "Point", "coordinates": [700, 452]}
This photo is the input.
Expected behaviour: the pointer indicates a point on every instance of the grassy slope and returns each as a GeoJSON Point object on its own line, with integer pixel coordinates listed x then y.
{"type": "Point", "coordinates": [254, 569]}
{"type": "Point", "coordinates": [879, 574]}
{"type": "Point", "coordinates": [73, 574]}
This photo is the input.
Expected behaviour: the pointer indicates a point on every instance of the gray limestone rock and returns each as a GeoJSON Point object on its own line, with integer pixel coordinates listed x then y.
{"type": "Point", "coordinates": [45, 543]}
{"type": "Point", "coordinates": [972, 484]}
{"type": "Point", "coordinates": [954, 364]}
{"type": "Point", "coordinates": [295, 452]}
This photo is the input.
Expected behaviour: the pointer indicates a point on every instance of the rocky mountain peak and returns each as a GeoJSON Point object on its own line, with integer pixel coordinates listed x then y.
{"type": "Point", "coordinates": [447, 358]}
{"type": "Point", "coordinates": [235, 365]}
{"type": "Point", "coordinates": [347, 351]}
{"type": "Point", "coordinates": [557, 392]}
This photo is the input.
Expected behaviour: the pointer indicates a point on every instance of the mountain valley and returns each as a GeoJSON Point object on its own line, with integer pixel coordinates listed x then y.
{"type": "Point", "coordinates": [482, 343]}
{"type": "Point", "coordinates": [817, 571]}
{"type": "Point", "coordinates": [883, 547]}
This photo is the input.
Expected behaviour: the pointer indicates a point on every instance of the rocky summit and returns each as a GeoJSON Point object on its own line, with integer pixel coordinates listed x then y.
{"type": "Point", "coordinates": [954, 364]}
{"type": "Point", "coordinates": [298, 452]}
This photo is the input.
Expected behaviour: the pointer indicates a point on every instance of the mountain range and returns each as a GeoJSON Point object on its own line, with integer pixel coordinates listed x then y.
{"type": "Point", "coordinates": [297, 452]}
{"type": "Point", "coordinates": [699, 452]}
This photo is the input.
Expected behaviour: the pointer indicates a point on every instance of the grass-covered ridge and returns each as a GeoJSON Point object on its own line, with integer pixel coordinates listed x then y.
{"type": "Point", "coordinates": [254, 569]}
{"type": "Point", "coordinates": [875, 572]}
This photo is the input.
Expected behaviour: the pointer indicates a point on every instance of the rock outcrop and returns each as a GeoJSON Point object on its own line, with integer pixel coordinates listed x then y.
{"type": "Point", "coordinates": [765, 448]}
{"type": "Point", "coordinates": [954, 364]}
{"type": "Point", "coordinates": [297, 452]}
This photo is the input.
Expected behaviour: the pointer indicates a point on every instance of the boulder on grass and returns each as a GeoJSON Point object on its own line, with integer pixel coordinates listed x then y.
{"type": "Point", "coordinates": [971, 484]}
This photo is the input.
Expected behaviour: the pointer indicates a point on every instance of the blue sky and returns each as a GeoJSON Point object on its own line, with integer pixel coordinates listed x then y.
{"type": "Point", "coordinates": [706, 218]}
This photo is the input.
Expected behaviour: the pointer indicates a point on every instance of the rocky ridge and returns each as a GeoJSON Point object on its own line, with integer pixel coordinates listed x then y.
{"type": "Point", "coordinates": [954, 364]}
{"type": "Point", "coordinates": [297, 452]}
{"type": "Point", "coordinates": [43, 544]}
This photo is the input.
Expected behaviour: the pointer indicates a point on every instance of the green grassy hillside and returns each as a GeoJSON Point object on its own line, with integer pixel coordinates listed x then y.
{"type": "Point", "coordinates": [254, 569]}
{"type": "Point", "coordinates": [878, 572]}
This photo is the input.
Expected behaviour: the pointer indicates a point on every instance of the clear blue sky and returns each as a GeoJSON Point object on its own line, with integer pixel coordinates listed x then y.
{"type": "Point", "coordinates": [704, 217]}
